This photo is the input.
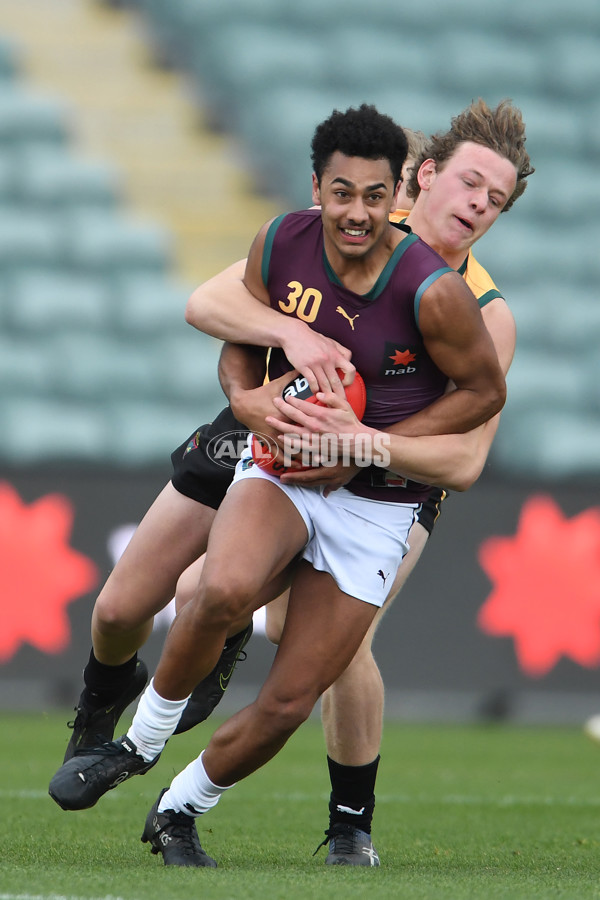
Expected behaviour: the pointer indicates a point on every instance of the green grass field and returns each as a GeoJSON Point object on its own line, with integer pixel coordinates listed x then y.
{"type": "Point", "coordinates": [462, 812]}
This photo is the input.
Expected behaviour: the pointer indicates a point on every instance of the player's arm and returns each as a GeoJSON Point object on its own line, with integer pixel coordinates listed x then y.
{"type": "Point", "coordinates": [458, 341]}
{"type": "Point", "coordinates": [500, 324]}
{"type": "Point", "coordinates": [452, 461]}
{"type": "Point", "coordinates": [242, 367]}
{"type": "Point", "coordinates": [242, 370]}
{"type": "Point", "coordinates": [234, 306]}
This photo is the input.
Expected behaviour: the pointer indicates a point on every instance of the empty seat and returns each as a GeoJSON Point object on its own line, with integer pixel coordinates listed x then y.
{"type": "Point", "coordinates": [146, 305]}
{"type": "Point", "coordinates": [9, 59]}
{"type": "Point", "coordinates": [590, 138]}
{"type": "Point", "coordinates": [550, 315]}
{"type": "Point", "coordinates": [540, 379]}
{"type": "Point", "coordinates": [520, 252]}
{"type": "Point", "coordinates": [186, 368]}
{"type": "Point", "coordinates": [572, 66]}
{"type": "Point", "coordinates": [45, 430]}
{"type": "Point", "coordinates": [264, 56]}
{"type": "Point", "coordinates": [579, 203]}
{"type": "Point", "coordinates": [178, 27]}
{"type": "Point", "coordinates": [418, 109]}
{"type": "Point", "coordinates": [48, 301]}
{"type": "Point", "coordinates": [146, 432]}
{"type": "Point", "coordinates": [29, 240]}
{"type": "Point", "coordinates": [97, 367]}
{"type": "Point", "coordinates": [111, 244]}
{"type": "Point", "coordinates": [7, 179]}
{"type": "Point", "coordinates": [554, 129]}
{"type": "Point", "coordinates": [554, 444]}
{"type": "Point", "coordinates": [325, 18]}
{"type": "Point", "coordinates": [25, 367]}
{"type": "Point", "coordinates": [483, 63]}
{"type": "Point", "coordinates": [52, 179]}
{"type": "Point", "coordinates": [554, 17]}
{"type": "Point", "coordinates": [28, 118]}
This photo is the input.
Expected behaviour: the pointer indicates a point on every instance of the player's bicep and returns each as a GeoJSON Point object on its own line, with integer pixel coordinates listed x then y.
{"type": "Point", "coordinates": [454, 333]}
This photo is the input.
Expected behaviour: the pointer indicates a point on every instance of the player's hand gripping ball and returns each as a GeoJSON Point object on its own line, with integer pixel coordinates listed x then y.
{"type": "Point", "coordinates": [356, 395]}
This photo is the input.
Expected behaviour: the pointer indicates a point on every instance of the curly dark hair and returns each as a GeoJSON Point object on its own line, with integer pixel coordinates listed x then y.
{"type": "Point", "coordinates": [363, 132]}
{"type": "Point", "coordinates": [501, 129]}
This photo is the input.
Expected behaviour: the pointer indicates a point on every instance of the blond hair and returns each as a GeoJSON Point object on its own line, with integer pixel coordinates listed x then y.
{"type": "Point", "coordinates": [417, 143]}
{"type": "Point", "coordinates": [501, 129]}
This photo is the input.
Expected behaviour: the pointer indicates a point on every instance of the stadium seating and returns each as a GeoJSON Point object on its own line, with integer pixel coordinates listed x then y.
{"type": "Point", "coordinates": [29, 119]}
{"type": "Point", "coordinates": [42, 303]}
{"type": "Point", "coordinates": [267, 72]}
{"type": "Point", "coordinates": [55, 181]}
{"type": "Point", "coordinates": [91, 313]}
{"type": "Point", "coordinates": [40, 428]}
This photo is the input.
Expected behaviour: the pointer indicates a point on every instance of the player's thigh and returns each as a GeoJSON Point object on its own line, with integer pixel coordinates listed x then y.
{"type": "Point", "coordinates": [417, 538]}
{"type": "Point", "coordinates": [172, 534]}
{"type": "Point", "coordinates": [256, 535]}
{"type": "Point", "coordinates": [323, 629]}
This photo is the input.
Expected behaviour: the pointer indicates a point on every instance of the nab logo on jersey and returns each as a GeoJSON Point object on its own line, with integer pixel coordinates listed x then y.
{"type": "Point", "coordinates": [398, 360]}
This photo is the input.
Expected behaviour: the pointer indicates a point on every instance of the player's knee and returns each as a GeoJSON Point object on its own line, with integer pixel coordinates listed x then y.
{"type": "Point", "coordinates": [112, 617]}
{"type": "Point", "coordinates": [223, 600]}
{"type": "Point", "coordinates": [286, 712]}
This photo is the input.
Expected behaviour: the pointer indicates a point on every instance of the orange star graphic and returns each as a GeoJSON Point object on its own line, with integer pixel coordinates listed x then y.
{"type": "Point", "coordinates": [39, 573]}
{"type": "Point", "coordinates": [546, 593]}
{"type": "Point", "coordinates": [402, 357]}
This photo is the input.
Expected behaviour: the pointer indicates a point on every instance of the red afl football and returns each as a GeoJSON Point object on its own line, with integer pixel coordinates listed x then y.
{"type": "Point", "coordinates": [356, 395]}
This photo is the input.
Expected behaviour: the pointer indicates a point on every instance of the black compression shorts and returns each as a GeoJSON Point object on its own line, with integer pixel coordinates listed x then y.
{"type": "Point", "coordinates": [204, 464]}
{"type": "Point", "coordinates": [431, 509]}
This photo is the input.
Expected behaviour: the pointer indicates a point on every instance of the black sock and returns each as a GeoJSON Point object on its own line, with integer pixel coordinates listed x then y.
{"type": "Point", "coordinates": [105, 683]}
{"type": "Point", "coordinates": [352, 788]}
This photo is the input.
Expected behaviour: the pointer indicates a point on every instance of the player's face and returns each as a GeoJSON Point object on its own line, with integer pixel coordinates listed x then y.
{"type": "Point", "coordinates": [465, 197]}
{"type": "Point", "coordinates": [356, 196]}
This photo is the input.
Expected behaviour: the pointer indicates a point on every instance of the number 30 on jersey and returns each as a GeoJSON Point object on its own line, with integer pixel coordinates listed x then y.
{"type": "Point", "coordinates": [304, 302]}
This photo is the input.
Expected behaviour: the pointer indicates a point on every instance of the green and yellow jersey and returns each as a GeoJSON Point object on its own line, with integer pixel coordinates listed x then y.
{"type": "Point", "coordinates": [478, 278]}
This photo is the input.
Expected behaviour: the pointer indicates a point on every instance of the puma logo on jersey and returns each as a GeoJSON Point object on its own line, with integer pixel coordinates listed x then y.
{"type": "Point", "coordinates": [343, 313]}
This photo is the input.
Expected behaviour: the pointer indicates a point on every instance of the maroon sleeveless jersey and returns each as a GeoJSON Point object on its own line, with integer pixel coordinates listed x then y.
{"type": "Point", "coordinates": [380, 328]}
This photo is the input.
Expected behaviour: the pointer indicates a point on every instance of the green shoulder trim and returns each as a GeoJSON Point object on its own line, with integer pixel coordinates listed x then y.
{"type": "Point", "coordinates": [268, 247]}
{"type": "Point", "coordinates": [463, 267]}
{"type": "Point", "coordinates": [425, 284]}
{"type": "Point", "coordinates": [488, 297]}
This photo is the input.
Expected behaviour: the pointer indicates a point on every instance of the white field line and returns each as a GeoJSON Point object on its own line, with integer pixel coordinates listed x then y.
{"type": "Point", "coordinates": [54, 897]}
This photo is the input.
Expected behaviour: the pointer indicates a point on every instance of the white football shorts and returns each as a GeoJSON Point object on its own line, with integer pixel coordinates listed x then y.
{"type": "Point", "coordinates": [360, 542]}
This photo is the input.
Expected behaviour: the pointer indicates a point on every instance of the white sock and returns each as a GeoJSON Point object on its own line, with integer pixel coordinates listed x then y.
{"type": "Point", "coordinates": [154, 722]}
{"type": "Point", "coordinates": [192, 791]}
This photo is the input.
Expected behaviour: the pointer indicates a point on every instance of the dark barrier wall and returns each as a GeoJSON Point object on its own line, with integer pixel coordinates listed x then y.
{"type": "Point", "coordinates": [501, 618]}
